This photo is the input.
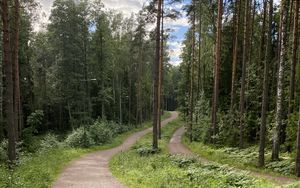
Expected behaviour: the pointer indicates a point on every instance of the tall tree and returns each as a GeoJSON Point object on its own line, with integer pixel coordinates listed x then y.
{"type": "Point", "coordinates": [265, 99]}
{"type": "Point", "coordinates": [15, 62]}
{"type": "Point", "coordinates": [217, 64]}
{"type": "Point", "coordinates": [280, 81]}
{"type": "Point", "coordinates": [9, 85]}
{"type": "Point", "coordinates": [235, 50]}
{"type": "Point", "coordinates": [156, 77]}
{"type": "Point", "coordinates": [192, 73]}
{"type": "Point", "coordinates": [161, 65]}
{"type": "Point", "coordinates": [294, 57]}
{"type": "Point", "coordinates": [298, 149]}
{"type": "Point", "coordinates": [246, 44]}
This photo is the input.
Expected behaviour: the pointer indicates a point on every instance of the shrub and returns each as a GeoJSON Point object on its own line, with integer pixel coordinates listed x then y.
{"type": "Point", "coordinates": [147, 150]}
{"type": "Point", "coordinates": [100, 133]}
{"type": "Point", "coordinates": [79, 138]}
{"type": "Point", "coordinates": [35, 120]}
{"type": "Point", "coordinates": [50, 141]}
{"type": "Point", "coordinates": [182, 161]}
{"type": "Point", "coordinates": [3, 151]}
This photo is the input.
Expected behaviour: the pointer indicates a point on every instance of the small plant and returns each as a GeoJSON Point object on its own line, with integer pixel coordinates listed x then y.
{"type": "Point", "coordinates": [146, 151]}
{"type": "Point", "coordinates": [100, 133]}
{"type": "Point", "coordinates": [182, 161]}
{"type": "Point", "coordinates": [79, 138]}
{"type": "Point", "coordinates": [50, 141]}
{"type": "Point", "coordinates": [3, 151]}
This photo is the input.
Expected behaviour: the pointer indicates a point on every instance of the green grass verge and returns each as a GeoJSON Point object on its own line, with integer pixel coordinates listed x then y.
{"type": "Point", "coordinates": [247, 158]}
{"type": "Point", "coordinates": [40, 170]}
{"type": "Point", "coordinates": [164, 170]}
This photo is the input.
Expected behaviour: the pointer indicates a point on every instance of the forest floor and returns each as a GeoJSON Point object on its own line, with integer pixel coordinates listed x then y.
{"type": "Point", "coordinates": [176, 147]}
{"type": "Point", "coordinates": [92, 170]}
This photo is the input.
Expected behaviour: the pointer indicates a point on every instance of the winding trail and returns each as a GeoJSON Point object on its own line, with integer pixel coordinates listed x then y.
{"type": "Point", "coordinates": [92, 170]}
{"type": "Point", "coordinates": [176, 147]}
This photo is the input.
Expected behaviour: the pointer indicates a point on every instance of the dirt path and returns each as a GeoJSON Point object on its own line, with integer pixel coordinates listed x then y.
{"type": "Point", "coordinates": [92, 170]}
{"type": "Point", "coordinates": [176, 147]}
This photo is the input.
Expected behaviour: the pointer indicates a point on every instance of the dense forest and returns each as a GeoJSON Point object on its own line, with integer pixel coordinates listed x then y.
{"type": "Point", "coordinates": [90, 76]}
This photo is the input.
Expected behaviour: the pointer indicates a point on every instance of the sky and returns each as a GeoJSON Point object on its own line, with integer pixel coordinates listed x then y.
{"type": "Point", "coordinates": [127, 7]}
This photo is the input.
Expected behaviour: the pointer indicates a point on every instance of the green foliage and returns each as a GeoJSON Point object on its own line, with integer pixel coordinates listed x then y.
{"type": "Point", "coordinates": [147, 150]}
{"type": "Point", "coordinates": [285, 167]}
{"type": "Point", "coordinates": [79, 138]}
{"type": "Point", "coordinates": [101, 133]}
{"type": "Point", "coordinates": [35, 120]}
{"type": "Point", "coordinates": [247, 157]}
{"type": "Point", "coordinates": [50, 141]}
{"type": "Point", "coordinates": [182, 161]}
{"type": "Point", "coordinates": [3, 151]}
{"type": "Point", "coordinates": [164, 170]}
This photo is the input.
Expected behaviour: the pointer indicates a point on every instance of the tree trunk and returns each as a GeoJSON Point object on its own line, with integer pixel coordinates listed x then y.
{"type": "Point", "coordinates": [294, 57]}
{"type": "Point", "coordinates": [156, 78]}
{"type": "Point", "coordinates": [191, 99]}
{"type": "Point", "coordinates": [280, 82]}
{"type": "Point", "coordinates": [217, 63]}
{"type": "Point", "coordinates": [244, 69]}
{"type": "Point", "coordinates": [9, 86]}
{"type": "Point", "coordinates": [265, 99]}
{"type": "Point", "coordinates": [160, 70]}
{"type": "Point", "coordinates": [15, 67]}
{"type": "Point", "coordinates": [235, 52]}
{"type": "Point", "coordinates": [298, 149]}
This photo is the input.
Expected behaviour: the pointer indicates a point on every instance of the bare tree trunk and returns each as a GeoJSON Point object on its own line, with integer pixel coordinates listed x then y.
{"type": "Point", "coordinates": [15, 67]}
{"type": "Point", "coordinates": [156, 78]}
{"type": "Point", "coordinates": [294, 57]}
{"type": "Point", "coordinates": [263, 34]}
{"type": "Point", "coordinates": [9, 86]}
{"type": "Point", "coordinates": [217, 70]}
{"type": "Point", "coordinates": [160, 70]}
{"type": "Point", "coordinates": [265, 99]}
{"type": "Point", "coordinates": [244, 69]}
{"type": "Point", "coordinates": [298, 149]}
{"type": "Point", "coordinates": [235, 52]}
{"type": "Point", "coordinates": [191, 99]}
{"type": "Point", "coordinates": [139, 83]}
{"type": "Point", "coordinates": [280, 82]}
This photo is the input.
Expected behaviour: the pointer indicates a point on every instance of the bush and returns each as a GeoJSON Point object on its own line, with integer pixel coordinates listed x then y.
{"type": "Point", "coordinates": [79, 138]}
{"type": "Point", "coordinates": [50, 141]}
{"type": "Point", "coordinates": [182, 161]}
{"type": "Point", "coordinates": [147, 150]}
{"type": "Point", "coordinates": [100, 133]}
{"type": "Point", "coordinates": [3, 151]}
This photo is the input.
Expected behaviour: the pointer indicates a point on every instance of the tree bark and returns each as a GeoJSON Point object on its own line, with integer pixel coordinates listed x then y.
{"type": "Point", "coordinates": [265, 99]}
{"type": "Point", "coordinates": [217, 63]}
{"type": "Point", "coordinates": [156, 78]}
{"type": "Point", "coordinates": [298, 149]}
{"type": "Point", "coordinates": [15, 67]}
{"type": "Point", "coordinates": [280, 82]}
{"type": "Point", "coordinates": [9, 86]}
{"type": "Point", "coordinates": [244, 69]}
{"type": "Point", "coordinates": [161, 70]}
{"type": "Point", "coordinates": [235, 52]}
{"type": "Point", "coordinates": [191, 99]}
{"type": "Point", "coordinates": [294, 57]}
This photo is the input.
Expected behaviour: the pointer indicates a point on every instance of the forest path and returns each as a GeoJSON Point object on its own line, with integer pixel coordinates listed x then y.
{"type": "Point", "coordinates": [92, 170]}
{"type": "Point", "coordinates": [176, 147]}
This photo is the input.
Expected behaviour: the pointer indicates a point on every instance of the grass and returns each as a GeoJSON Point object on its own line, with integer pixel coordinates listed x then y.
{"type": "Point", "coordinates": [247, 158]}
{"type": "Point", "coordinates": [147, 170]}
{"type": "Point", "coordinates": [40, 170]}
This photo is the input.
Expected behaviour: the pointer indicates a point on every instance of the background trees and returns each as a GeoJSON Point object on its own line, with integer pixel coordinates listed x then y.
{"type": "Point", "coordinates": [249, 72]}
{"type": "Point", "coordinates": [88, 63]}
